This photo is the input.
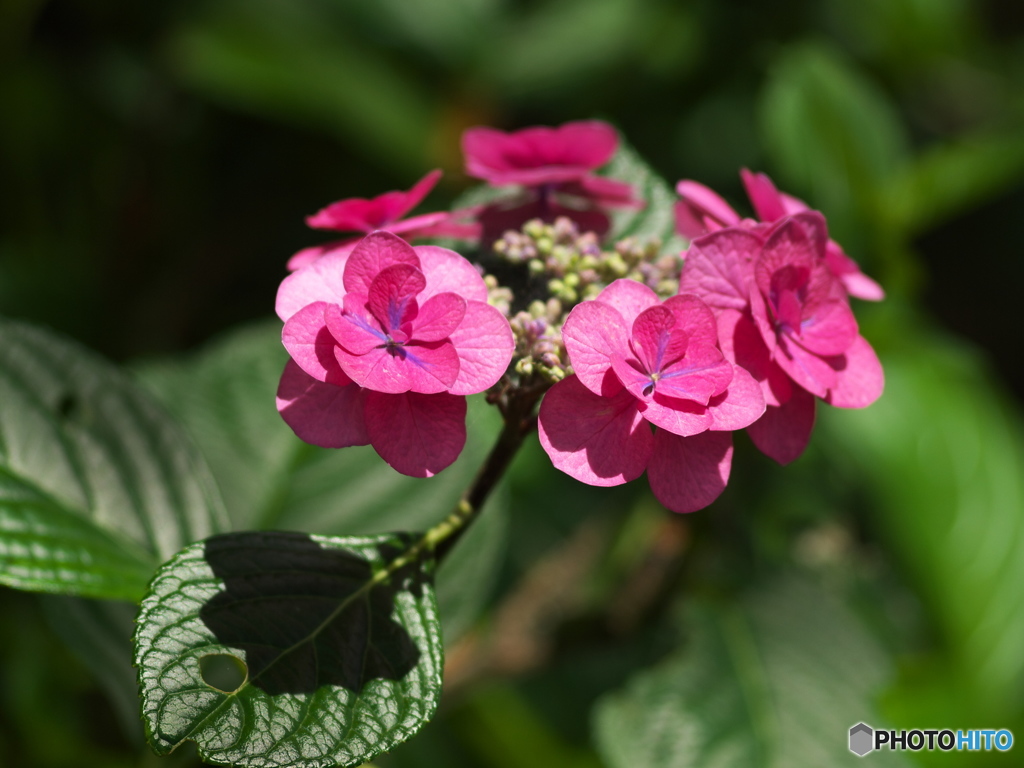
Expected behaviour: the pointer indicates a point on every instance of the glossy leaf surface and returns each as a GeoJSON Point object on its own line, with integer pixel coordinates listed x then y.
{"type": "Point", "coordinates": [97, 484]}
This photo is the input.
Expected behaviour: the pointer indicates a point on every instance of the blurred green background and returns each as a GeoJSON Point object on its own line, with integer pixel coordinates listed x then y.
{"type": "Point", "coordinates": [157, 160]}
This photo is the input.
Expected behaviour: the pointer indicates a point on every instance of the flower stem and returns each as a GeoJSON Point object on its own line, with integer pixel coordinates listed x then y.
{"type": "Point", "coordinates": [517, 406]}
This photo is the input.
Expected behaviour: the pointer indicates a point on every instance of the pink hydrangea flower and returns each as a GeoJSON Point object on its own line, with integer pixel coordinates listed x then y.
{"type": "Point", "coordinates": [385, 340]}
{"type": "Point", "coordinates": [641, 363]}
{"type": "Point", "coordinates": [385, 212]}
{"type": "Point", "coordinates": [700, 210]}
{"type": "Point", "coordinates": [555, 166]}
{"type": "Point", "coordinates": [784, 316]}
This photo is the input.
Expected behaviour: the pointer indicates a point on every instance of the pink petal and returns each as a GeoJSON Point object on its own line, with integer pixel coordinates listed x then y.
{"type": "Point", "coordinates": [695, 318]}
{"type": "Point", "coordinates": [763, 196]}
{"type": "Point", "coordinates": [863, 287]}
{"type": "Point", "coordinates": [538, 155]}
{"type": "Point", "coordinates": [420, 190]}
{"type": "Point", "coordinates": [355, 329]}
{"type": "Point", "coordinates": [424, 368]}
{"type": "Point", "coordinates": [799, 239]}
{"type": "Point", "coordinates": [790, 248]}
{"type": "Point", "coordinates": [653, 341]}
{"type": "Point", "coordinates": [307, 256]}
{"type": "Point", "coordinates": [698, 204]}
{"type": "Point", "coordinates": [856, 282]}
{"type": "Point", "coordinates": [594, 333]}
{"type": "Point", "coordinates": [629, 298]}
{"type": "Point", "coordinates": [375, 252]}
{"type": "Point", "coordinates": [859, 377]}
{"type": "Point", "coordinates": [361, 215]}
{"type": "Point", "coordinates": [699, 376]}
{"type": "Point", "coordinates": [412, 227]}
{"type": "Point", "coordinates": [717, 268]}
{"type": "Point", "coordinates": [810, 371]}
{"type": "Point", "coordinates": [739, 406]}
{"type": "Point", "coordinates": [448, 272]}
{"type": "Point", "coordinates": [321, 414]}
{"type": "Point", "coordinates": [311, 345]}
{"type": "Point", "coordinates": [392, 295]}
{"type": "Point", "coordinates": [608, 192]}
{"type": "Point", "coordinates": [597, 440]}
{"type": "Point", "coordinates": [830, 330]}
{"type": "Point", "coordinates": [680, 417]}
{"type": "Point", "coordinates": [688, 473]}
{"type": "Point", "coordinates": [319, 281]}
{"type": "Point", "coordinates": [354, 214]}
{"type": "Point", "coordinates": [484, 344]}
{"type": "Point", "coordinates": [439, 316]}
{"type": "Point", "coordinates": [783, 432]}
{"type": "Point", "coordinates": [759, 313]}
{"type": "Point", "coordinates": [418, 435]}
{"type": "Point", "coordinates": [742, 344]}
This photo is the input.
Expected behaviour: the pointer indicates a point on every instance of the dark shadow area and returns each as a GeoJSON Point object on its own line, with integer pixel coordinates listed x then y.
{"type": "Point", "coordinates": [974, 276]}
{"type": "Point", "coordinates": [280, 589]}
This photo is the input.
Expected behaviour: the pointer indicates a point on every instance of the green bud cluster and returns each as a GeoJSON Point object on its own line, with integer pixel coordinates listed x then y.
{"type": "Point", "coordinates": [576, 266]}
{"type": "Point", "coordinates": [539, 347]}
{"type": "Point", "coordinates": [498, 296]}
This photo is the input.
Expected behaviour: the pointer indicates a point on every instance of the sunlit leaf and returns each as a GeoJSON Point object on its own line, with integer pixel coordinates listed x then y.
{"type": "Point", "coordinates": [774, 680]}
{"type": "Point", "coordinates": [336, 641]}
{"type": "Point", "coordinates": [97, 484]}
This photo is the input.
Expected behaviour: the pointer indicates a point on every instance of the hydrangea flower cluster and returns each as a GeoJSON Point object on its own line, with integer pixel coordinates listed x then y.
{"type": "Point", "coordinates": [641, 363]}
{"type": "Point", "coordinates": [554, 171]}
{"type": "Point", "coordinates": [650, 360]}
{"type": "Point", "coordinates": [385, 341]}
{"type": "Point", "coordinates": [784, 315]}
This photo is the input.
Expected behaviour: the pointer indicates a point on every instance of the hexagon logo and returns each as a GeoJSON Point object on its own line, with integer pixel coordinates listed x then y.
{"type": "Point", "coordinates": [862, 739]}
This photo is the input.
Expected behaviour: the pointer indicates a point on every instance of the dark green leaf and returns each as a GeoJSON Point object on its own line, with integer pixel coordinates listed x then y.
{"type": "Point", "coordinates": [339, 637]}
{"type": "Point", "coordinates": [950, 179]}
{"type": "Point", "coordinates": [99, 632]}
{"type": "Point", "coordinates": [775, 680]}
{"type": "Point", "coordinates": [270, 479]}
{"type": "Point", "coordinates": [97, 484]}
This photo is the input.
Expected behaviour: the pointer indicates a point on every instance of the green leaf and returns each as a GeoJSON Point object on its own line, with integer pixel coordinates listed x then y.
{"type": "Point", "coordinates": [339, 638]}
{"type": "Point", "coordinates": [951, 178]}
{"type": "Point", "coordinates": [773, 680]}
{"type": "Point", "coordinates": [270, 479]}
{"type": "Point", "coordinates": [657, 217]}
{"type": "Point", "coordinates": [99, 633]}
{"type": "Point", "coordinates": [294, 62]}
{"type": "Point", "coordinates": [97, 484]}
{"type": "Point", "coordinates": [942, 453]}
{"type": "Point", "coordinates": [832, 134]}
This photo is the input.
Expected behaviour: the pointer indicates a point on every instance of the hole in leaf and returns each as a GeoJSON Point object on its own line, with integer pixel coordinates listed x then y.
{"type": "Point", "coordinates": [223, 671]}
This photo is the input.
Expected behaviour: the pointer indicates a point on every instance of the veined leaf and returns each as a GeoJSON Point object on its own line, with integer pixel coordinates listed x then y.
{"type": "Point", "coordinates": [657, 217]}
{"type": "Point", "coordinates": [339, 638]}
{"type": "Point", "coordinates": [775, 680]}
{"type": "Point", "coordinates": [271, 479]}
{"type": "Point", "coordinates": [97, 484]}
